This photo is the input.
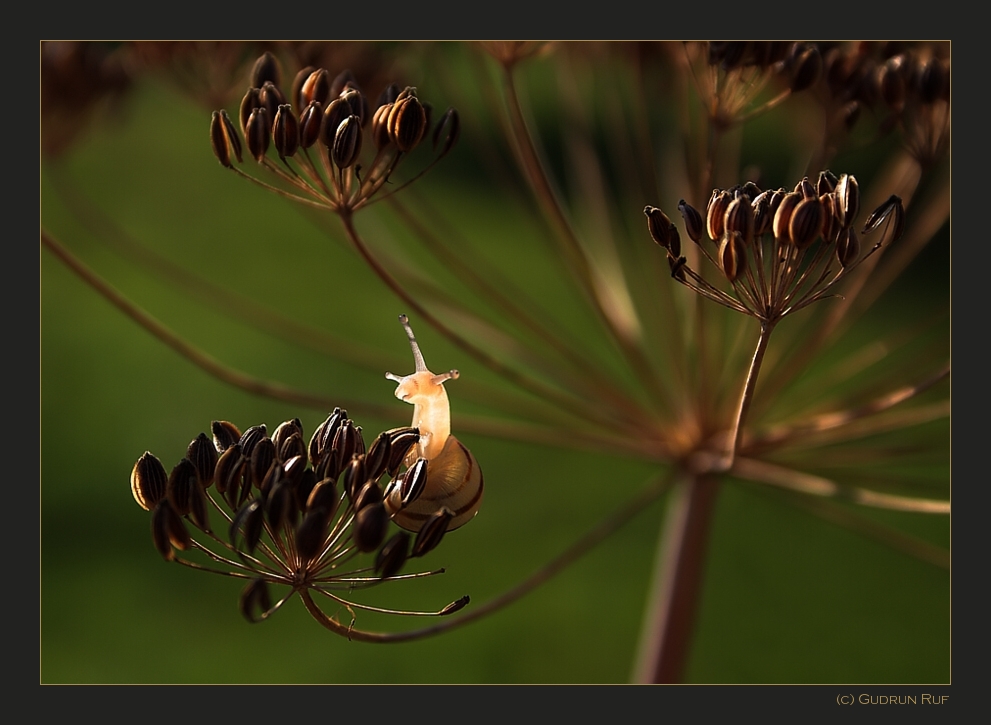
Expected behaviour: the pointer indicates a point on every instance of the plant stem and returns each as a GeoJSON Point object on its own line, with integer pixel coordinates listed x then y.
{"type": "Point", "coordinates": [746, 398]}
{"type": "Point", "coordinates": [671, 611]}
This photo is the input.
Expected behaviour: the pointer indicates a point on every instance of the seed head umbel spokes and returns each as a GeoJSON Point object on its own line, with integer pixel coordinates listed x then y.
{"type": "Point", "coordinates": [335, 150]}
{"type": "Point", "coordinates": [307, 517]}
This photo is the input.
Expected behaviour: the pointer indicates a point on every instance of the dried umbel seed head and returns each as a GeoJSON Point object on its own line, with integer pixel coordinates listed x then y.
{"type": "Point", "coordinates": [148, 481]}
{"type": "Point", "coordinates": [224, 139]}
{"type": "Point", "coordinates": [692, 219]}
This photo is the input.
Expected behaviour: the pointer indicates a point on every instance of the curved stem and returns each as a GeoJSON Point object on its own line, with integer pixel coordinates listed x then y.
{"type": "Point", "coordinates": [746, 398]}
{"type": "Point", "coordinates": [678, 571]}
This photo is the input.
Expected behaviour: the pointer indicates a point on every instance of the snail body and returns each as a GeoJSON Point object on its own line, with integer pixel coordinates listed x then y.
{"type": "Point", "coordinates": [453, 477]}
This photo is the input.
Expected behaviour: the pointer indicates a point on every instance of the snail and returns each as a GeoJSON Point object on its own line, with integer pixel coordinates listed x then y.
{"type": "Point", "coordinates": [453, 478]}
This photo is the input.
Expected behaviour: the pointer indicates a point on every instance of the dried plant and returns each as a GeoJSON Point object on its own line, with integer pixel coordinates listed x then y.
{"type": "Point", "coordinates": [578, 336]}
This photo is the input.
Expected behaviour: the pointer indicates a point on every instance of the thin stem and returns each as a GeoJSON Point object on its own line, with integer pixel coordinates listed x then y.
{"type": "Point", "coordinates": [678, 571]}
{"type": "Point", "coordinates": [746, 398]}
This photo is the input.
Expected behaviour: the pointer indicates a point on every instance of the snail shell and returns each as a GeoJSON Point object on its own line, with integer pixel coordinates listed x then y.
{"type": "Point", "coordinates": [453, 477]}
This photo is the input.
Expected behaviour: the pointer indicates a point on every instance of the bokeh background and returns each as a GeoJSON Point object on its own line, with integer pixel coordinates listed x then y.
{"type": "Point", "coordinates": [788, 597]}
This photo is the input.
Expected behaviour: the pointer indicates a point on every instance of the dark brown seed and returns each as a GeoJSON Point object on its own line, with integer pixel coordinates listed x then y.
{"type": "Point", "coordinates": [830, 219]}
{"type": "Point", "coordinates": [353, 477]}
{"type": "Point", "coordinates": [284, 431]}
{"type": "Point", "coordinates": [370, 526]}
{"type": "Point", "coordinates": [270, 98]}
{"type": "Point", "coordinates": [674, 242]}
{"type": "Point", "coordinates": [692, 219]}
{"type": "Point", "coordinates": [749, 190]}
{"type": "Point", "coordinates": [388, 95]}
{"type": "Point", "coordinates": [380, 126]}
{"type": "Point", "coordinates": [256, 133]}
{"type": "Point", "coordinates": [310, 123]}
{"type": "Point", "coordinates": [359, 105]}
{"type": "Point", "coordinates": [168, 531]}
{"type": "Point", "coordinates": [224, 434]}
{"type": "Point", "coordinates": [826, 182]}
{"type": "Point", "coordinates": [807, 69]}
{"type": "Point", "coordinates": [805, 188]}
{"type": "Point", "coordinates": [392, 555]}
{"type": "Point", "coordinates": [285, 132]}
{"type": "Point", "coordinates": [203, 455]}
{"type": "Point", "coordinates": [271, 477]}
{"type": "Point", "coordinates": [378, 456]}
{"type": "Point", "coordinates": [334, 115]}
{"type": "Point", "coordinates": [296, 93]}
{"type": "Point", "coordinates": [658, 225]}
{"type": "Point", "coordinates": [413, 481]}
{"type": "Point", "coordinates": [229, 469]}
{"type": "Point", "coordinates": [249, 522]}
{"type": "Point", "coordinates": [149, 481]}
{"type": "Point", "coordinates": [847, 247]}
{"type": "Point", "coordinates": [763, 217]}
{"type": "Point", "coordinates": [266, 69]}
{"type": "Point", "coordinates": [261, 460]}
{"type": "Point", "coordinates": [198, 510]}
{"type": "Point", "coordinates": [293, 471]}
{"type": "Point", "coordinates": [255, 598]}
{"type": "Point", "coordinates": [447, 131]}
{"type": "Point", "coordinates": [251, 438]}
{"type": "Point", "coordinates": [251, 101]}
{"type": "Point", "coordinates": [182, 482]}
{"type": "Point", "coordinates": [324, 496]}
{"type": "Point", "coordinates": [677, 267]}
{"type": "Point", "coordinates": [280, 506]}
{"type": "Point", "coordinates": [739, 220]}
{"type": "Point", "coordinates": [407, 121]}
{"type": "Point", "coordinates": [930, 80]}
{"type": "Point", "coordinates": [432, 532]}
{"type": "Point", "coordinates": [455, 606]}
{"type": "Point", "coordinates": [312, 533]}
{"type": "Point", "coordinates": [806, 223]}
{"type": "Point", "coordinates": [403, 440]}
{"type": "Point", "coordinates": [347, 143]}
{"type": "Point", "coordinates": [891, 80]}
{"type": "Point", "coordinates": [782, 217]}
{"type": "Point", "coordinates": [370, 493]}
{"type": "Point", "coordinates": [732, 255]}
{"type": "Point", "coordinates": [716, 213]}
{"type": "Point", "coordinates": [224, 139]}
{"type": "Point", "coordinates": [343, 79]}
{"type": "Point", "coordinates": [304, 488]}
{"type": "Point", "coordinates": [891, 208]}
{"type": "Point", "coordinates": [847, 199]}
{"type": "Point", "coordinates": [316, 88]}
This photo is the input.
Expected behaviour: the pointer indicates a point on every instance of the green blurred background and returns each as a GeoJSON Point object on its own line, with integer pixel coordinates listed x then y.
{"type": "Point", "coordinates": [787, 597]}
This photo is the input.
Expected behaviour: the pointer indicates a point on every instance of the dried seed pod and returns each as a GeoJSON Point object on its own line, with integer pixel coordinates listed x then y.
{"type": "Point", "coordinates": [380, 126]}
{"type": "Point", "coordinates": [296, 93]}
{"type": "Point", "coordinates": [891, 81]}
{"type": "Point", "coordinates": [358, 103]}
{"type": "Point", "coordinates": [847, 247]}
{"type": "Point", "coordinates": [447, 131]}
{"type": "Point", "coordinates": [677, 267]}
{"type": "Point", "coordinates": [805, 188]}
{"type": "Point", "coordinates": [288, 439]}
{"type": "Point", "coordinates": [891, 208]}
{"type": "Point", "coordinates": [255, 598]}
{"type": "Point", "coordinates": [749, 190]}
{"type": "Point", "coordinates": [763, 218]}
{"type": "Point", "coordinates": [315, 89]}
{"type": "Point", "coordinates": [692, 219]}
{"type": "Point", "coordinates": [224, 139]}
{"type": "Point", "coordinates": [257, 133]}
{"type": "Point", "coordinates": [285, 132]}
{"type": "Point", "coordinates": [249, 522]}
{"type": "Point", "coordinates": [370, 526]}
{"type": "Point", "coordinates": [782, 217]}
{"type": "Point", "coordinates": [347, 143]}
{"type": "Point", "coordinates": [182, 483]}
{"type": "Point", "coordinates": [407, 121]}
{"type": "Point", "coordinates": [224, 434]}
{"type": "Point", "coordinates": [343, 79]}
{"type": "Point", "coordinates": [659, 226]}
{"type": "Point", "coordinates": [806, 69]}
{"type": "Point", "coordinates": [378, 456]}
{"type": "Point", "coordinates": [739, 219]}
{"type": "Point", "coordinates": [324, 435]}
{"type": "Point", "coordinates": [280, 506]}
{"type": "Point", "coordinates": [347, 444]}
{"type": "Point", "coordinates": [168, 531]}
{"type": "Point", "coordinates": [203, 455]}
{"type": "Point", "coordinates": [402, 442]}
{"type": "Point", "coordinates": [847, 199]}
{"type": "Point", "coordinates": [716, 213]}
{"type": "Point", "coordinates": [312, 533]}
{"type": "Point", "coordinates": [250, 439]}
{"type": "Point", "coordinates": [149, 481]}
{"type": "Point", "coordinates": [826, 182]}
{"type": "Point", "coordinates": [324, 497]}
{"type": "Point", "coordinates": [455, 606]}
{"type": "Point", "coordinates": [432, 531]}
{"type": "Point", "coordinates": [266, 69]}
{"type": "Point", "coordinates": [293, 471]}
{"type": "Point", "coordinates": [334, 115]}
{"type": "Point", "coordinates": [388, 95]}
{"type": "Point", "coordinates": [732, 255]}
{"type": "Point", "coordinates": [303, 489]}
{"type": "Point", "coordinates": [353, 477]}
{"type": "Point", "coordinates": [310, 124]}
{"type": "Point", "coordinates": [270, 98]}
{"type": "Point", "coordinates": [392, 555]}
{"type": "Point", "coordinates": [229, 469]}
{"type": "Point", "coordinates": [369, 494]}
{"type": "Point", "coordinates": [806, 222]}
{"type": "Point", "coordinates": [251, 101]}
{"type": "Point", "coordinates": [830, 219]}
{"type": "Point", "coordinates": [260, 461]}
{"type": "Point", "coordinates": [674, 242]}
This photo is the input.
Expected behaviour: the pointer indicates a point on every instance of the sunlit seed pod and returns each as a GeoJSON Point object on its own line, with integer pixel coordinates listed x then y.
{"type": "Point", "coordinates": [358, 103]}
{"type": "Point", "coordinates": [430, 534]}
{"type": "Point", "coordinates": [296, 92]}
{"type": "Point", "coordinates": [316, 88]}
{"type": "Point", "coordinates": [257, 133]}
{"type": "Point", "coordinates": [807, 69]}
{"type": "Point", "coordinates": [782, 217]}
{"type": "Point", "coordinates": [692, 219]}
{"type": "Point", "coordinates": [285, 132]}
{"type": "Point", "coordinates": [149, 481]}
{"type": "Point", "coordinates": [370, 527]}
{"type": "Point", "coordinates": [891, 209]}
{"type": "Point", "coordinates": [402, 441]}
{"type": "Point", "coordinates": [251, 101]}
{"type": "Point", "coordinates": [223, 139]}
{"type": "Point", "coordinates": [341, 81]}
{"type": "Point", "coordinates": [826, 182]}
{"type": "Point", "coordinates": [455, 606]}
{"type": "Point", "coordinates": [288, 440]}
{"type": "Point", "coordinates": [805, 188]}
{"type": "Point", "coordinates": [776, 198]}
{"type": "Point", "coordinates": [261, 459]}
{"type": "Point", "coordinates": [393, 554]}
{"type": "Point", "coordinates": [847, 247]}
{"type": "Point", "coordinates": [806, 223]}
{"type": "Point", "coordinates": [378, 456]}
{"type": "Point", "coordinates": [293, 470]}
{"type": "Point", "coordinates": [847, 199]}
{"type": "Point", "coordinates": [225, 434]}
{"type": "Point", "coordinates": [369, 494]}
{"type": "Point", "coordinates": [739, 219]}
{"type": "Point", "coordinates": [251, 438]}
{"type": "Point", "coordinates": [266, 69]}
{"type": "Point", "coordinates": [749, 190]}
{"type": "Point", "coordinates": [407, 121]}
{"type": "Point", "coordinates": [347, 143]}
{"type": "Point", "coordinates": [347, 444]}
{"type": "Point", "coordinates": [762, 213]}
{"type": "Point", "coordinates": [255, 600]}
{"type": "Point", "coordinates": [203, 455]}
{"type": "Point", "coordinates": [333, 115]}
{"type": "Point", "coordinates": [182, 481]}
{"type": "Point", "coordinates": [380, 126]}
{"type": "Point", "coordinates": [716, 213]}
{"type": "Point", "coordinates": [229, 469]}
{"type": "Point", "coordinates": [324, 496]}
{"type": "Point", "coordinates": [659, 226]}
{"type": "Point", "coordinates": [312, 533]}
{"type": "Point", "coordinates": [310, 124]}
{"type": "Point", "coordinates": [732, 255]}
{"type": "Point", "coordinates": [447, 131]}
{"type": "Point", "coordinates": [249, 522]}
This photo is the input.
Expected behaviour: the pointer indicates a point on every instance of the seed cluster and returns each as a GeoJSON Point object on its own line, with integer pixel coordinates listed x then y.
{"type": "Point", "coordinates": [325, 135]}
{"type": "Point", "coordinates": [295, 514]}
{"type": "Point", "coordinates": [780, 251]}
